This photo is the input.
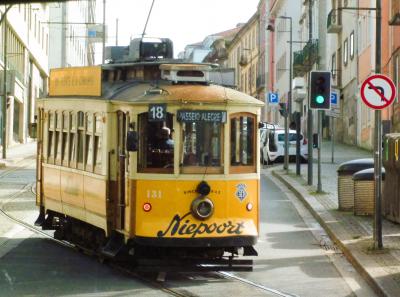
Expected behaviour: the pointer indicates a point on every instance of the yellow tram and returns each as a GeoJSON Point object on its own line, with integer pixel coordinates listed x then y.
{"type": "Point", "coordinates": [149, 159]}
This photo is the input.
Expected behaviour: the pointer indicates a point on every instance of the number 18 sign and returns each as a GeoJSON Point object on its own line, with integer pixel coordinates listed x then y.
{"type": "Point", "coordinates": [157, 112]}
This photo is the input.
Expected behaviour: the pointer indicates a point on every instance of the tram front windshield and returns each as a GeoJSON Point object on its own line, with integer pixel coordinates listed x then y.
{"type": "Point", "coordinates": [202, 143]}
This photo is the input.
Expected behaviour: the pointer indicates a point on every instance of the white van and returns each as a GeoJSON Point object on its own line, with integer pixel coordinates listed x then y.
{"type": "Point", "coordinates": [273, 145]}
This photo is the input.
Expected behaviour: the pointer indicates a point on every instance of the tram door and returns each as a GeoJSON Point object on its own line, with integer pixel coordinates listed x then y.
{"type": "Point", "coordinates": [121, 169]}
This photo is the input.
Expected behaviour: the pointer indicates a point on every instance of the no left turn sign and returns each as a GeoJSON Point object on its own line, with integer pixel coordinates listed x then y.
{"type": "Point", "coordinates": [378, 91]}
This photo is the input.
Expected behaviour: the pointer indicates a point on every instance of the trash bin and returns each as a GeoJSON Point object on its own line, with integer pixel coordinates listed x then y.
{"type": "Point", "coordinates": [364, 191]}
{"type": "Point", "coordinates": [345, 181]}
{"type": "Point", "coordinates": [390, 199]}
{"type": "Point", "coordinates": [395, 200]}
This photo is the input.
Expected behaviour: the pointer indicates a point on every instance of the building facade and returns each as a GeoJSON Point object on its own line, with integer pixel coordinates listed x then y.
{"type": "Point", "coordinates": [243, 56]}
{"type": "Point", "coordinates": [281, 14]}
{"type": "Point", "coordinates": [68, 27]}
{"type": "Point", "coordinates": [25, 39]}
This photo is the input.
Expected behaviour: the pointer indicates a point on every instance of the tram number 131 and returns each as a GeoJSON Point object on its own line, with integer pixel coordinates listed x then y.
{"type": "Point", "coordinates": [154, 194]}
{"type": "Point", "coordinates": [157, 112]}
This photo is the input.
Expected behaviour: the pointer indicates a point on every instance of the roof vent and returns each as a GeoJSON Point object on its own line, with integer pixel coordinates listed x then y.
{"type": "Point", "coordinates": [185, 73]}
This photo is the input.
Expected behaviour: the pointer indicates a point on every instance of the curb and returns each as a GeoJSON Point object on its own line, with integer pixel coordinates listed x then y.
{"type": "Point", "coordinates": [348, 254]}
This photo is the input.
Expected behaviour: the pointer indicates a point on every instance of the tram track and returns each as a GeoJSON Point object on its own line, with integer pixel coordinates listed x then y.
{"type": "Point", "coordinates": [151, 281]}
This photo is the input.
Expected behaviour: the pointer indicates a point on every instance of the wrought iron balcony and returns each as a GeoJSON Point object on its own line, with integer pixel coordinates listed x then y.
{"type": "Point", "coordinates": [303, 60]}
{"type": "Point", "coordinates": [334, 22]}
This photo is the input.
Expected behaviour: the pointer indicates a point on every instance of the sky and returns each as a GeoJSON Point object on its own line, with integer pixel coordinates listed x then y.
{"type": "Point", "coordinates": [183, 21]}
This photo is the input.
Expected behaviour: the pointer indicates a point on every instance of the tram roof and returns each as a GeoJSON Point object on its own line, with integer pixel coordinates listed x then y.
{"type": "Point", "coordinates": [165, 92]}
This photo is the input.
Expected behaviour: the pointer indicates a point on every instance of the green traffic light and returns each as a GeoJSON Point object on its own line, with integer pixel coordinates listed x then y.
{"type": "Point", "coordinates": [320, 99]}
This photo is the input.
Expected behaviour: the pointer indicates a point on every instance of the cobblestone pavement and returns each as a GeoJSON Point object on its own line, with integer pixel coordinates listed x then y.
{"type": "Point", "coordinates": [353, 234]}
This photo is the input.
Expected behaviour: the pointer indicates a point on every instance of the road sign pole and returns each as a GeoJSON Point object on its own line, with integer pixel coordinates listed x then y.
{"type": "Point", "coordinates": [378, 135]}
{"type": "Point", "coordinates": [332, 140]}
{"type": "Point", "coordinates": [378, 180]}
{"type": "Point", "coordinates": [319, 184]}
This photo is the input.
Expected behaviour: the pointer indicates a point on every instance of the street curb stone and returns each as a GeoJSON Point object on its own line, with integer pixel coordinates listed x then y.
{"type": "Point", "coordinates": [364, 264]}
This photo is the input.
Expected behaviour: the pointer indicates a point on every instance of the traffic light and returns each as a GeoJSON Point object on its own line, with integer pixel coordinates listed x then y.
{"type": "Point", "coordinates": [320, 90]}
{"type": "Point", "coordinates": [283, 109]}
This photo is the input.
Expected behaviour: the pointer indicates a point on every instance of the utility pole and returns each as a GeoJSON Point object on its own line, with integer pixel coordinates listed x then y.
{"type": "Point", "coordinates": [4, 101]}
{"type": "Point", "coordinates": [309, 111]}
{"type": "Point", "coordinates": [378, 136]}
{"type": "Point", "coordinates": [116, 32]}
{"type": "Point", "coordinates": [104, 32]}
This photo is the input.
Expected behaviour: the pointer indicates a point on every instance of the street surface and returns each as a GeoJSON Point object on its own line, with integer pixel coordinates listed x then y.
{"type": "Point", "coordinates": [295, 256]}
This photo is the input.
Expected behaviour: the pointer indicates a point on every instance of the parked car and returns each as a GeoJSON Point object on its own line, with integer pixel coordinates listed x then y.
{"type": "Point", "coordinates": [273, 145]}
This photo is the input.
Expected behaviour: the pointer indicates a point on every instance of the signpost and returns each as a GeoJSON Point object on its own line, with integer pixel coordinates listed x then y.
{"type": "Point", "coordinates": [377, 92]}
{"type": "Point", "coordinates": [334, 112]}
{"type": "Point", "coordinates": [273, 98]}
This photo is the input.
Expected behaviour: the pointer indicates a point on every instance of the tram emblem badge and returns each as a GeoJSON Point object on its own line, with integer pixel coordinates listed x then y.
{"type": "Point", "coordinates": [241, 191]}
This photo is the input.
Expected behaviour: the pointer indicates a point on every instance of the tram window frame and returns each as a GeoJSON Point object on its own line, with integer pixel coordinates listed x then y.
{"type": "Point", "coordinates": [45, 136]}
{"type": "Point", "coordinates": [80, 132]}
{"type": "Point", "coordinates": [89, 145]}
{"type": "Point", "coordinates": [50, 138]}
{"type": "Point", "coordinates": [98, 143]}
{"type": "Point", "coordinates": [66, 119]}
{"type": "Point", "coordinates": [234, 142]}
{"type": "Point", "coordinates": [72, 148]}
{"type": "Point", "coordinates": [58, 137]}
{"type": "Point", "coordinates": [196, 168]}
{"type": "Point", "coordinates": [147, 153]}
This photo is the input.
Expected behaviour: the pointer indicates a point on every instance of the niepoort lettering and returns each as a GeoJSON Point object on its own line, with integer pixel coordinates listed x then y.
{"type": "Point", "coordinates": [182, 226]}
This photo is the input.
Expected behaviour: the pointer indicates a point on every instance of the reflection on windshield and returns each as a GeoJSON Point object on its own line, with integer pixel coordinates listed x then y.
{"type": "Point", "coordinates": [202, 144]}
{"type": "Point", "coordinates": [292, 137]}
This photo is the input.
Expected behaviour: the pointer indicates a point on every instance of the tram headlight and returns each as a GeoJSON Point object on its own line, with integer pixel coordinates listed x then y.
{"type": "Point", "coordinates": [202, 208]}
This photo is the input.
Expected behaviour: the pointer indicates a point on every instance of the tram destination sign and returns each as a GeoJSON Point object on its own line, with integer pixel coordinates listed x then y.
{"type": "Point", "coordinates": [212, 116]}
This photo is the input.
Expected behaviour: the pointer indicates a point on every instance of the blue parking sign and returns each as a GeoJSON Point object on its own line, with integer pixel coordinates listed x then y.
{"type": "Point", "coordinates": [273, 98]}
{"type": "Point", "coordinates": [334, 98]}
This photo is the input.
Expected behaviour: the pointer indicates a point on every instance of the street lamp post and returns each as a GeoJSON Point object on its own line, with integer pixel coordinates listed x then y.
{"type": "Point", "coordinates": [288, 114]}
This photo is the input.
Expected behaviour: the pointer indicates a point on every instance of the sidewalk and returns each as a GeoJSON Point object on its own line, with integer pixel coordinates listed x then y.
{"type": "Point", "coordinates": [353, 234]}
{"type": "Point", "coordinates": [16, 154]}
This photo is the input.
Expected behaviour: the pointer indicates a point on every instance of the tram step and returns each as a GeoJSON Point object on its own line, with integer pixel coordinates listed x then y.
{"type": "Point", "coordinates": [113, 246]}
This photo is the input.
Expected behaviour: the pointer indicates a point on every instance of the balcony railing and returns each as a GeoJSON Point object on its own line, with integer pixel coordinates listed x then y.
{"type": "Point", "coordinates": [303, 60]}
{"type": "Point", "coordinates": [334, 22]}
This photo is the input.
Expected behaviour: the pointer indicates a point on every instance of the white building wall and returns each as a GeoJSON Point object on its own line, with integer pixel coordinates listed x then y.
{"type": "Point", "coordinates": [289, 8]}
{"type": "Point", "coordinates": [68, 34]}
{"type": "Point", "coordinates": [28, 40]}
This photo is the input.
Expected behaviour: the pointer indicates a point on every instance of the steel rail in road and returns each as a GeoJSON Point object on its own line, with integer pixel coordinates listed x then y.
{"type": "Point", "coordinates": [160, 285]}
{"type": "Point", "coordinates": [34, 229]}
{"type": "Point", "coordinates": [253, 284]}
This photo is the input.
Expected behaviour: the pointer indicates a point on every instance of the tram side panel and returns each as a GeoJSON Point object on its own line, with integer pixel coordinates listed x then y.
{"type": "Point", "coordinates": [71, 191]}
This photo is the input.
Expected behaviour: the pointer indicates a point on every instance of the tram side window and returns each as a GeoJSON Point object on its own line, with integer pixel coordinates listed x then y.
{"type": "Point", "coordinates": [80, 134]}
{"type": "Point", "coordinates": [89, 142]}
{"type": "Point", "coordinates": [156, 149]}
{"type": "Point", "coordinates": [202, 147]}
{"type": "Point", "coordinates": [98, 130]}
{"type": "Point", "coordinates": [58, 138]}
{"type": "Point", "coordinates": [243, 142]}
{"type": "Point", "coordinates": [50, 139]}
{"type": "Point", "coordinates": [72, 142]}
{"type": "Point", "coordinates": [65, 128]}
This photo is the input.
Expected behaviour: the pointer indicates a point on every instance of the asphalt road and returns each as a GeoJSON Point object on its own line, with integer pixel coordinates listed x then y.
{"type": "Point", "coordinates": [291, 257]}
